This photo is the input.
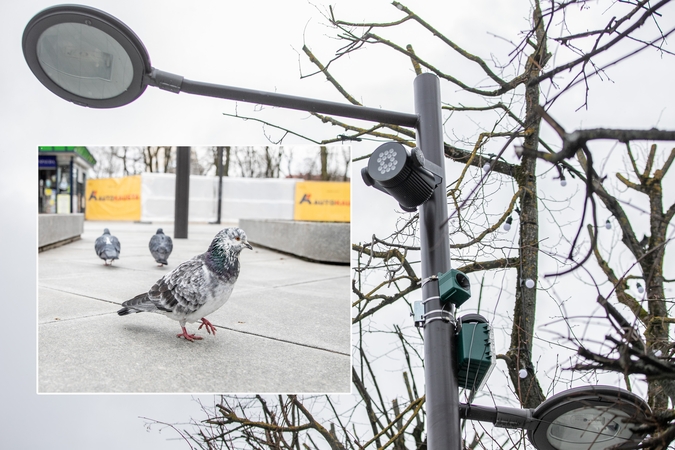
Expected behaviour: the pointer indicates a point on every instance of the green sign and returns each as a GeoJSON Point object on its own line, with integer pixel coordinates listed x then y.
{"type": "Point", "coordinates": [82, 151]}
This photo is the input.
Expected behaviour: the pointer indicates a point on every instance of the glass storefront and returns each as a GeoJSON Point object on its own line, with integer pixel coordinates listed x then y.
{"type": "Point", "coordinates": [47, 192]}
{"type": "Point", "coordinates": [62, 179]}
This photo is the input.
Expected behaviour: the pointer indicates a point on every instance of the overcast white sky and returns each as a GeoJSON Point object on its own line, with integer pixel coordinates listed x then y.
{"type": "Point", "coordinates": [248, 44]}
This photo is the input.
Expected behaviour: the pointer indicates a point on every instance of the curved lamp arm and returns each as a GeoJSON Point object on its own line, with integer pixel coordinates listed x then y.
{"type": "Point", "coordinates": [176, 83]}
{"type": "Point", "coordinates": [500, 416]}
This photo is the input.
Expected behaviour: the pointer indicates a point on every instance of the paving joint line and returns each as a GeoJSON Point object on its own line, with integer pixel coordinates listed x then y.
{"type": "Point", "coordinates": [310, 281]}
{"type": "Point", "coordinates": [218, 326]}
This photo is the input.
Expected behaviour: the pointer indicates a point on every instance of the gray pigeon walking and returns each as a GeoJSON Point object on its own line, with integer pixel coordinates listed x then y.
{"type": "Point", "coordinates": [161, 246]}
{"type": "Point", "coordinates": [197, 287]}
{"type": "Point", "coordinates": [107, 247]}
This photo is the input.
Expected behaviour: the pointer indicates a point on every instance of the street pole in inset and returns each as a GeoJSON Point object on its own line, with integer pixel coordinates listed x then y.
{"type": "Point", "coordinates": [440, 366]}
{"type": "Point", "coordinates": [220, 182]}
{"type": "Point", "coordinates": [180, 224]}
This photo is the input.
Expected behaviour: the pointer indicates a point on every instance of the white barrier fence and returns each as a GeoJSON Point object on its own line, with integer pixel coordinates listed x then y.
{"type": "Point", "coordinates": [242, 198]}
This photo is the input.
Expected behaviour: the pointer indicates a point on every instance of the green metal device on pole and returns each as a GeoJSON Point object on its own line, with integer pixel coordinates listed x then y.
{"type": "Point", "coordinates": [91, 58]}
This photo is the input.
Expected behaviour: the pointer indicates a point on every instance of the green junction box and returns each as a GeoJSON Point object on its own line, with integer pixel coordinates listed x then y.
{"type": "Point", "coordinates": [475, 353]}
{"type": "Point", "coordinates": [454, 287]}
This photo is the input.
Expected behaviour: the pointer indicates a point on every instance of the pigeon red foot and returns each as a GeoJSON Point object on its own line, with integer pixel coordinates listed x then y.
{"type": "Point", "coordinates": [188, 336]}
{"type": "Point", "coordinates": [209, 326]}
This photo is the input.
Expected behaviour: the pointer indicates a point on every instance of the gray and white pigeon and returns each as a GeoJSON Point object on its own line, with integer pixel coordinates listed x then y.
{"type": "Point", "coordinates": [107, 247]}
{"type": "Point", "coordinates": [160, 246]}
{"type": "Point", "coordinates": [197, 287]}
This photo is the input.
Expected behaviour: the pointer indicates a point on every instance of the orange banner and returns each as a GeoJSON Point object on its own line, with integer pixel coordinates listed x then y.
{"type": "Point", "coordinates": [114, 198]}
{"type": "Point", "coordinates": [322, 201]}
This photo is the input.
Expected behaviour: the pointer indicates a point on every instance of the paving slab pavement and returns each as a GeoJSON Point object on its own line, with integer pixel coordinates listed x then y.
{"type": "Point", "coordinates": [285, 329]}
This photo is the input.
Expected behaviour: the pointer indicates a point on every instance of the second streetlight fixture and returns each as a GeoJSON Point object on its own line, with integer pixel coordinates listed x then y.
{"type": "Point", "coordinates": [582, 418]}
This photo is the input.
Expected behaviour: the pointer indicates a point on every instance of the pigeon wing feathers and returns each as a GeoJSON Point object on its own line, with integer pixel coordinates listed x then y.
{"type": "Point", "coordinates": [181, 291]}
{"type": "Point", "coordinates": [116, 244]}
{"type": "Point", "coordinates": [166, 243]}
{"type": "Point", "coordinates": [177, 293]}
{"type": "Point", "coordinates": [99, 245]}
{"type": "Point", "coordinates": [154, 242]}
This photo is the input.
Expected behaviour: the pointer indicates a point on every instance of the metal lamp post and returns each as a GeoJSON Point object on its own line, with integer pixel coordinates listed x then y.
{"type": "Point", "coordinates": [91, 58]}
{"type": "Point", "coordinates": [440, 375]}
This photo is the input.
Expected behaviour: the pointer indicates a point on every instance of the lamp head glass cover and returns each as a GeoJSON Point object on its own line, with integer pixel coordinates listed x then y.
{"type": "Point", "coordinates": [589, 428]}
{"type": "Point", "coordinates": [86, 56]}
{"type": "Point", "coordinates": [588, 418]}
{"type": "Point", "coordinates": [84, 60]}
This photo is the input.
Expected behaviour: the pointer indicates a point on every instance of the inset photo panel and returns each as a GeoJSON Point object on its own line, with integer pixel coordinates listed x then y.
{"type": "Point", "coordinates": [205, 269]}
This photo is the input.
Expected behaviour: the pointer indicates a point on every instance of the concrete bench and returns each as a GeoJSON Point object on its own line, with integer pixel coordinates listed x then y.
{"type": "Point", "coordinates": [326, 242]}
{"type": "Point", "coordinates": [58, 229]}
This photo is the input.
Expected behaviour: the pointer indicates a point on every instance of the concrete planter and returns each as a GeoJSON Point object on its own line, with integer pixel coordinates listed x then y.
{"type": "Point", "coordinates": [58, 229]}
{"type": "Point", "coordinates": [317, 241]}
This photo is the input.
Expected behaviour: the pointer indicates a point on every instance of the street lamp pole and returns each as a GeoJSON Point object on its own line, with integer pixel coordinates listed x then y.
{"type": "Point", "coordinates": [442, 394]}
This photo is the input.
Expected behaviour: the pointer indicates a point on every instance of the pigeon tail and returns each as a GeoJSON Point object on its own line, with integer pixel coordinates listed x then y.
{"type": "Point", "coordinates": [140, 303]}
{"type": "Point", "coordinates": [124, 311]}
{"type": "Point", "coordinates": [109, 254]}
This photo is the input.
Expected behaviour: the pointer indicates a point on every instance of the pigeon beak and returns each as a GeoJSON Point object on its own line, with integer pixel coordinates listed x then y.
{"type": "Point", "coordinates": [247, 245]}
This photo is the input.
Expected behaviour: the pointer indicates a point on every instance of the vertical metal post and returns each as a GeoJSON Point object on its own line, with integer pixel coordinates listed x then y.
{"type": "Point", "coordinates": [180, 224]}
{"type": "Point", "coordinates": [220, 182]}
{"type": "Point", "coordinates": [70, 181]}
{"type": "Point", "coordinates": [442, 394]}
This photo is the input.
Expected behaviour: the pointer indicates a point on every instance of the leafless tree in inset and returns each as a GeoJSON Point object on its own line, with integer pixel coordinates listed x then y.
{"type": "Point", "coordinates": [158, 159]}
{"type": "Point", "coordinates": [118, 161]}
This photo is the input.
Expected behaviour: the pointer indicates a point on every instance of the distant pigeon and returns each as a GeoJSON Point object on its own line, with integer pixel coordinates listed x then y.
{"type": "Point", "coordinates": [197, 287]}
{"type": "Point", "coordinates": [107, 247]}
{"type": "Point", "coordinates": [161, 246]}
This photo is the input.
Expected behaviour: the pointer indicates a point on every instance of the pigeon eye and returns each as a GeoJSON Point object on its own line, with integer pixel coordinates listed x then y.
{"type": "Point", "coordinates": [238, 238]}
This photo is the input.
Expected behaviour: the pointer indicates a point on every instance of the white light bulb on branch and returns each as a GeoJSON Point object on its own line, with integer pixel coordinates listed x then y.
{"type": "Point", "coordinates": [507, 224]}
{"type": "Point", "coordinates": [529, 283]}
{"type": "Point", "coordinates": [640, 289]}
{"type": "Point", "coordinates": [486, 167]}
{"type": "Point", "coordinates": [563, 182]}
{"type": "Point", "coordinates": [522, 373]}
{"type": "Point", "coordinates": [608, 225]}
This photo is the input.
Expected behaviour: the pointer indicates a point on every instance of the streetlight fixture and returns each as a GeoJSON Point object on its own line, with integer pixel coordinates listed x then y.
{"type": "Point", "coordinates": [86, 56]}
{"type": "Point", "coordinates": [90, 58]}
{"type": "Point", "coordinates": [583, 418]}
{"type": "Point", "coordinates": [588, 418]}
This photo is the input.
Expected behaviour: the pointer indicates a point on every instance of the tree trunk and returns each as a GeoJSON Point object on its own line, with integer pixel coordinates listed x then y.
{"type": "Point", "coordinates": [324, 163]}
{"type": "Point", "coordinates": [520, 352]}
